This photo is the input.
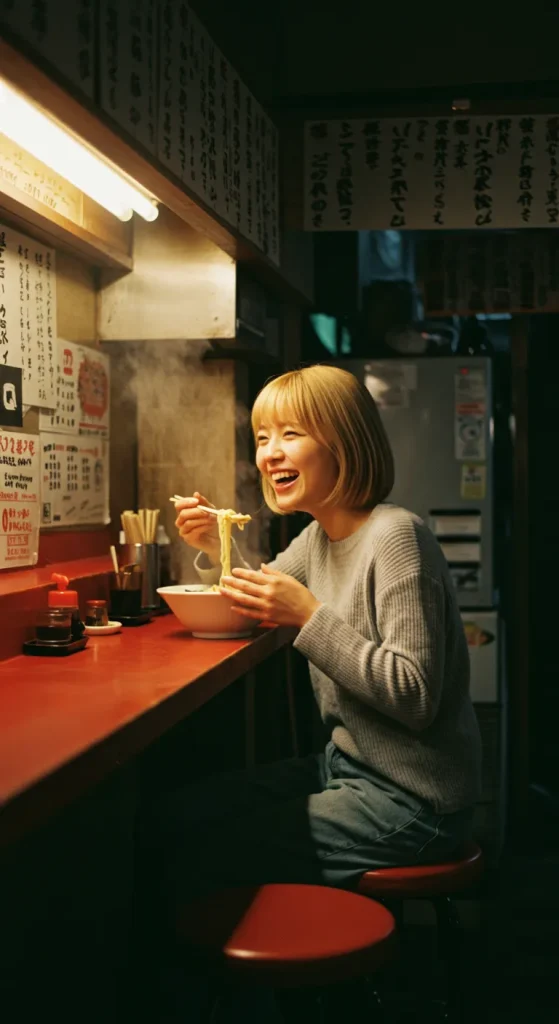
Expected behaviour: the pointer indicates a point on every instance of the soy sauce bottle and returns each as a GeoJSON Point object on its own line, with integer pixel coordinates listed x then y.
{"type": "Point", "coordinates": [65, 600]}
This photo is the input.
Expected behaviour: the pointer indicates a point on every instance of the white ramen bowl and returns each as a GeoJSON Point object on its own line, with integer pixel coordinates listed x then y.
{"type": "Point", "coordinates": [205, 613]}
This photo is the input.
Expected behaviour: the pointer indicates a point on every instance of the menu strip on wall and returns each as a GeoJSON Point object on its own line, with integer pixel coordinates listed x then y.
{"type": "Point", "coordinates": [432, 173]}
{"type": "Point", "coordinates": [162, 79]}
{"type": "Point", "coordinates": [28, 314]}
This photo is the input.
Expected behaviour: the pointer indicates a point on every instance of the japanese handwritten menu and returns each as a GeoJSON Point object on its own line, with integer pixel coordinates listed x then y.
{"type": "Point", "coordinates": [71, 51]}
{"type": "Point", "coordinates": [28, 314]}
{"type": "Point", "coordinates": [74, 480]}
{"type": "Point", "coordinates": [19, 499]}
{"type": "Point", "coordinates": [212, 134]}
{"type": "Point", "coordinates": [419, 173]}
{"type": "Point", "coordinates": [128, 54]}
{"type": "Point", "coordinates": [82, 392]}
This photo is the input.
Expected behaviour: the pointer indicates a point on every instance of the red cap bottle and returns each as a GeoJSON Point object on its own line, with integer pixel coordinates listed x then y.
{"type": "Point", "coordinates": [64, 598]}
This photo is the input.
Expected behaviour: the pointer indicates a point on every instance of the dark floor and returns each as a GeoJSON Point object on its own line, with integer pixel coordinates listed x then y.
{"type": "Point", "coordinates": [511, 952]}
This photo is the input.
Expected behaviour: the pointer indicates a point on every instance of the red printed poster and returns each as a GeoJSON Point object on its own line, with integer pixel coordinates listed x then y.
{"type": "Point", "coordinates": [19, 499]}
{"type": "Point", "coordinates": [94, 392]}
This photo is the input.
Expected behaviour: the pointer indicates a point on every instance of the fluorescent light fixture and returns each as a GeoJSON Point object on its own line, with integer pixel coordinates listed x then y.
{"type": "Point", "coordinates": [29, 128]}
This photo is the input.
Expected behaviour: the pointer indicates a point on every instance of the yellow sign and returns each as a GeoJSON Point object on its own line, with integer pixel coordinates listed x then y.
{"type": "Point", "coordinates": [472, 484]}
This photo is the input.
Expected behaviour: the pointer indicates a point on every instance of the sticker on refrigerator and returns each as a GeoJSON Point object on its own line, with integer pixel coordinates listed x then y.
{"type": "Point", "coordinates": [472, 482]}
{"type": "Point", "coordinates": [470, 393]}
{"type": "Point", "coordinates": [390, 383]}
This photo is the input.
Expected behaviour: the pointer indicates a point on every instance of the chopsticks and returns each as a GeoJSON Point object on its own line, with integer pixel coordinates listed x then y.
{"type": "Point", "coordinates": [140, 527]}
{"type": "Point", "coordinates": [203, 508]}
{"type": "Point", "coordinates": [237, 517]}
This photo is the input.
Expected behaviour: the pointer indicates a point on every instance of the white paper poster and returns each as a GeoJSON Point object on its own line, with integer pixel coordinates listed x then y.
{"type": "Point", "coordinates": [19, 499]}
{"type": "Point", "coordinates": [432, 173]}
{"type": "Point", "coordinates": [64, 418]}
{"type": "Point", "coordinates": [74, 480]}
{"type": "Point", "coordinates": [28, 314]}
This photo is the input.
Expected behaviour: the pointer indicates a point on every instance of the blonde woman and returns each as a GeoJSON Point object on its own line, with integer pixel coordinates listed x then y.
{"type": "Point", "coordinates": [368, 589]}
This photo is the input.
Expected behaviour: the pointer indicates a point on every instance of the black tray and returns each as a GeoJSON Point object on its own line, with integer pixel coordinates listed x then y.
{"type": "Point", "coordinates": [134, 620]}
{"type": "Point", "coordinates": [37, 647]}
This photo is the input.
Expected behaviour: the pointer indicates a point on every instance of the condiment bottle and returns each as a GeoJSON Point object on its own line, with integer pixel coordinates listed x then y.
{"type": "Point", "coordinates": [66, 600]}
{"type": "Point", "coordinates": [96, 613]}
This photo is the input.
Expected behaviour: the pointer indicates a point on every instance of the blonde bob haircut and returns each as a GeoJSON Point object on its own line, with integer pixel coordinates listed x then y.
{"type": "Point", "coordinates": [335, 409]}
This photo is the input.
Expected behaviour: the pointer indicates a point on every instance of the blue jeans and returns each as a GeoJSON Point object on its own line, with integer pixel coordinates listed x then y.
{"type": "Point", "coordinates": [322, 819]}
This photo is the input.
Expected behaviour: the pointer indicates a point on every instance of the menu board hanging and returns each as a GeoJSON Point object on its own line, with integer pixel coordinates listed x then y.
{"type": "Point", "coordinates": [429, 173]}
{"type": "Point", "coordinates": [19, 499]}
{"type": "Point", "coordinates": [28, 314]}
{"type": "Point", "coordinates": [74, 480]}
{"type": "Point", "coordinates": [128, 63]}
{"type": "Point", "coordinates": [71, 51]}
{"type": "Point", "coordinates": [212, 133]}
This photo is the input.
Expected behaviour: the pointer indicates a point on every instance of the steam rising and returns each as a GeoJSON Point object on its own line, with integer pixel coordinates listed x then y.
{"type": "Point", "coordinates": [192, 434]}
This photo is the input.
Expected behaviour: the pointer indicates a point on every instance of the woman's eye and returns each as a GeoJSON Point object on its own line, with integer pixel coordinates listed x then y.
{"type": "Point", "coordinates": [290, 433]}
{"type": "Point", "coordinates": [262, 439]}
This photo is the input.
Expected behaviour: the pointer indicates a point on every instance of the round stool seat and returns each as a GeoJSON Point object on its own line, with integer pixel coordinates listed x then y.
{"type": "Point", "coordinates": [462, 870]}
{"type": "Point", "coordinates": [287, 935]}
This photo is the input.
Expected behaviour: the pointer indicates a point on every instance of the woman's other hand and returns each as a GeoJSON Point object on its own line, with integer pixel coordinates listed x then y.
{"type": "Point", "coordinates": [269, 595]}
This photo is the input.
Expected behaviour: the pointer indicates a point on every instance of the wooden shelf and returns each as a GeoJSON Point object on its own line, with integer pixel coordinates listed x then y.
{"type": "Point", "coordinates": [32, 217]}
{"type": "Point", "coordinates": [92, 125]}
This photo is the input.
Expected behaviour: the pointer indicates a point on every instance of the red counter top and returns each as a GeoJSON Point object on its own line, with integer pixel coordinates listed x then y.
{"type": "Point", "coordinates": [65, 723]}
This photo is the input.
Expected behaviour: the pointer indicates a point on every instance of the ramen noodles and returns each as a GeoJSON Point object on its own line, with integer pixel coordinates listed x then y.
{"type": "Point", "coordinates": [226, 518]}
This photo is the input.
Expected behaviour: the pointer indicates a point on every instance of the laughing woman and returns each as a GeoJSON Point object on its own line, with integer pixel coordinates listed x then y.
{"type": "Point", "coordinates": [368, 589]}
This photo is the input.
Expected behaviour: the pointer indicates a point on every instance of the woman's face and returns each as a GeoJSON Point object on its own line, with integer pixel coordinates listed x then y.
{"type": "Point", "coordinates": [301, 471]}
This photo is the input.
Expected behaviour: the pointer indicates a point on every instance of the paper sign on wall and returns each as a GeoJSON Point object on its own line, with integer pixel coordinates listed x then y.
{"type": "Point", "coordinates": [19, 499]}
{"type": "Point", "coordinates": [82, 392]}
{"type": "Point", "coordinates": [28, 314]}
{"type": "Point", "coordinates": [74, 480]}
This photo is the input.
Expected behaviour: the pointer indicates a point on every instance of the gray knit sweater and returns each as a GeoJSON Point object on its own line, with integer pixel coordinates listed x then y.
{"type": "Point", "coordinates": [387, 654]}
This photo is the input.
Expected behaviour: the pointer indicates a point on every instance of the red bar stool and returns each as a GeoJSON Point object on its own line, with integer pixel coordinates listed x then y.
{"type": "Point", "coordinates": [437, 883]}
{"type": "Point", "coordinates": [288, 936]}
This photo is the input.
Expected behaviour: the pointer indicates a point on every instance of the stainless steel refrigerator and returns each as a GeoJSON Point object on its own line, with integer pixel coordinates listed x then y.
{"type": "Point", "coordinates": [438, 413]}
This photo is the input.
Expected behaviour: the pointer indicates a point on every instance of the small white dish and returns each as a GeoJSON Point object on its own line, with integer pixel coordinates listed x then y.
{"type": "Point", "coordinates": [108, 630]}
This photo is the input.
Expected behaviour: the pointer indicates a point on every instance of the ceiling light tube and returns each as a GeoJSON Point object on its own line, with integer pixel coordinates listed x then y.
{"type": "Point", "coordinates": [29, 128]}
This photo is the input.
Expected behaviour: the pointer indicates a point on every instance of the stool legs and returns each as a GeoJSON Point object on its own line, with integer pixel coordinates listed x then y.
{"type": "Point", "coordinates": [449, 940]}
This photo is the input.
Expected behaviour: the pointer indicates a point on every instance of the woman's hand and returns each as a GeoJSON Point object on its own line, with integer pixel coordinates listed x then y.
{"type": "Point", "coordinates": [198, 529]}
{"type": "Point", "coordinates": [269, 595]}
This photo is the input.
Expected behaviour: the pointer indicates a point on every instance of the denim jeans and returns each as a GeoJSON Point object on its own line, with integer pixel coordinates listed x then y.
{"type": "Point", "coordinates": [322, 819]}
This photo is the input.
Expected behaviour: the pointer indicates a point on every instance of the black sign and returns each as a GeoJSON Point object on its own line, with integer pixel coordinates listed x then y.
{"type": "Point", "coordinates": [11, 406]}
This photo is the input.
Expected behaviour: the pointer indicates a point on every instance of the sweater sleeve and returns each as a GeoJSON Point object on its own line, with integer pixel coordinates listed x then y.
{"type": "Point", "coordinates": [292, 561]}
{"type": "Point", "coordinates": [402, 676]}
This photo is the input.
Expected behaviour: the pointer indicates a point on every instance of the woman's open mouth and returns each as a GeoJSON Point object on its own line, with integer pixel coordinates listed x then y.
{"type": "Point", "coordinates": [283, 480]}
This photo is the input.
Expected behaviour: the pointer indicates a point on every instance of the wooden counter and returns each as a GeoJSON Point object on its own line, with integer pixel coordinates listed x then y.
{"type": "Point", "coordinates": [66, 723]}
